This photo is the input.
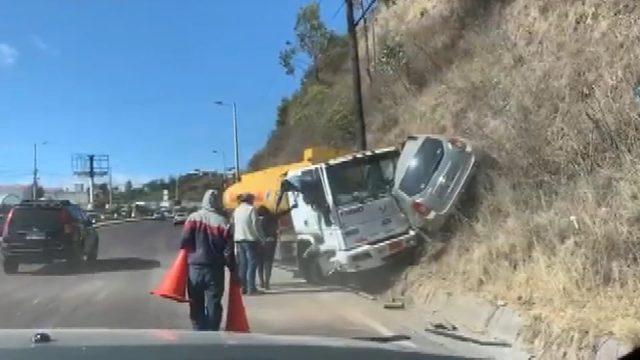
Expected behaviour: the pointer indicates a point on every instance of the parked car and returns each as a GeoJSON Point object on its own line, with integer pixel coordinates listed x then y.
{"type": "Point", "coordinates": [179, 218]}
{"type": "Point", "coordinates": [40, 231]}
{"type": "Point", "coordinates": [431, 173]}
{"type": "Point", "coordinates": [158, 215]}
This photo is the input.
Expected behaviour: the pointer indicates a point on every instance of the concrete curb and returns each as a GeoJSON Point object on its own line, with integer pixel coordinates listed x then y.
{"type": "Point", "coordinates": [500, 322]}
{"type": "Point", "coordinates": [506, 324]}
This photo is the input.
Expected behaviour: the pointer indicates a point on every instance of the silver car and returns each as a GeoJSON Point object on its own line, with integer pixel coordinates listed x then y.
{"type": "Point", "coordinates": [432, 171]}
{"type": "Point", "coordinates": [180, 218]}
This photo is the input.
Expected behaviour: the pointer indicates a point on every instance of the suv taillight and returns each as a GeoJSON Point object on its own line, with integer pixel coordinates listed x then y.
{"type": "Point", "coordinates": [5, 230]}
{"type": "Point", "coordinates": [420, 208]}
{"type": "Point", "coordinates": [457, 143]}
{"type": "Point", "coordinates": [65, 219]}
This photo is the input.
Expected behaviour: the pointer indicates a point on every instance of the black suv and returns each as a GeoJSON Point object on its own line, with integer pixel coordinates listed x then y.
{"type": "Point", "coordinates": [40, 231]}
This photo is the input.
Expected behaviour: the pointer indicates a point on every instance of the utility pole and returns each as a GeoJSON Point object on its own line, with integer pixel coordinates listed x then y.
{"type": "Point", "coordinates": [177, 187]}
{"type": "Point", "coordinates": [110, 190]}
{"type": "Point", "coordinates": [365, 27]}
{"type": "Point", "coordinates": [34, 186]}
{"type": "Point", "coordinates": [92, 175]}
{"type": "Point", "coordinates": [357, 85]}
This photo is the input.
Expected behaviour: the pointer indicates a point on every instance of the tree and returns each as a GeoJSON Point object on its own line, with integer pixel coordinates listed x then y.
{"type": "Point", "coordinates": [103, 188]}
{"type": "Point", "coordinates": [128, 190]}
{"type": "Point", "coordinates": [283, 112]}
{"type": "Point", "coordinates": [287, 57]}
{"type": "Point", "coordinates": [312, 39]}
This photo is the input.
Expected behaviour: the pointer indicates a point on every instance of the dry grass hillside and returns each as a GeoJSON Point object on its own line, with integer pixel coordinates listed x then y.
{"type": "Point", "coordinates": [550, 89]}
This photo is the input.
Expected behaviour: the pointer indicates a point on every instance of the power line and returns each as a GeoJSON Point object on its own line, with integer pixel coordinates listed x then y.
{"type": "Point", "coordinates": [338, 11]}
{"type": "Point", "coordinates": [365, 11]}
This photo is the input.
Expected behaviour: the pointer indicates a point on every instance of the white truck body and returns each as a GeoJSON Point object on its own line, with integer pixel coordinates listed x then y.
{"type": "Point", "coordinates": [345, 212]}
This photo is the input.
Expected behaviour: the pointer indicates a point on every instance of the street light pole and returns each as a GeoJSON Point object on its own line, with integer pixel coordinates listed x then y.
{"type": "Point", "coordinates": [235, 135]}
{"type": "Point", "coordinates": [235, 140]}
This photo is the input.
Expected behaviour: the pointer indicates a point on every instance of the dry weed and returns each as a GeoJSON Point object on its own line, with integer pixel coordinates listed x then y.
{"type": "Point", "coordinates": [547, 87]}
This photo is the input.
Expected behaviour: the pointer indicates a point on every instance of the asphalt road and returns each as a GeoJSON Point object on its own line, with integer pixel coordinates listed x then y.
{"type": "Point", "coordinates": [132, 259]}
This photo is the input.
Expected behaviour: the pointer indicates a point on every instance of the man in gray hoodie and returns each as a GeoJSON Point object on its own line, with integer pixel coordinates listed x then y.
{"type": "Point", "coordinates": [207, 238]}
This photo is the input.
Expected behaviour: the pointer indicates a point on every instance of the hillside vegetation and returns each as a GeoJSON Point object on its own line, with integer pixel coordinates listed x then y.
{"type": "Point", "coordinates": [550, 89]}
{"type": "Point", "coordinates": [191, 188]}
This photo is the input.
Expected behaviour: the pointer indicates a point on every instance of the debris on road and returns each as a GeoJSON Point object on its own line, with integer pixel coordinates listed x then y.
{"type": "Point", "coordinates": [444, 325]}
{"type": "Point", "coordinates": [395, 303]}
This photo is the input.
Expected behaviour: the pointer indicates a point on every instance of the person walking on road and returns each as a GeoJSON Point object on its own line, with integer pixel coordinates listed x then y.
{"type": "Point", "coordinates": [207, 239]}
{"type": "Point", "coordinates": [268, 230]}
{"type": "Point", "coordinates": [247, 240]}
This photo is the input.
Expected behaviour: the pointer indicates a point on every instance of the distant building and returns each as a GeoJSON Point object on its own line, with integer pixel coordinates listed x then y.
{"type": "Point", "coordinates": [21, 191]}
{"type": "Point", "coordinates": [202, 172]}
{"type": "Point", "coordinates": [80, 198]}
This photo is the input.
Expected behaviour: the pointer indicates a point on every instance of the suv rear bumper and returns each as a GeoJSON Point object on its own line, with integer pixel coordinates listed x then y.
{"type": "Point", "coordinates": [25, 253]}
{"type": "Point", "coordinates": [367, 257]}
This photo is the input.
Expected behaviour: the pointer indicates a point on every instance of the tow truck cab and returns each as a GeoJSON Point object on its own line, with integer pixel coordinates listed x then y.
{"type": "Point", "coordinates": [344, 214]}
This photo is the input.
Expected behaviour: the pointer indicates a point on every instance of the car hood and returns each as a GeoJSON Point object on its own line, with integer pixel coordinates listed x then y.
{"type": "Point", "coordinates": [184, 344]}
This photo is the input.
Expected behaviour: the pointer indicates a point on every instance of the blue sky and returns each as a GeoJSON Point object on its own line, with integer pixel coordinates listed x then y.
{"type": "Point", "coordinates": [136, 79]}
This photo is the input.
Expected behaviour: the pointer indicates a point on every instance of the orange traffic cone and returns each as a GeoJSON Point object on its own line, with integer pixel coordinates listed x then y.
{"type": "Point", "coordinates": [236, 314]}
{"type": "Point", "coordinates": [174, 284]}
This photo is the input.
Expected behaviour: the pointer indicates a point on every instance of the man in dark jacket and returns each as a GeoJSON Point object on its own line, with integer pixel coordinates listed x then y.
{"type": "Point", "coordinates": [268, 232]}
{"type": "Point", "coordinates": [207, 238]}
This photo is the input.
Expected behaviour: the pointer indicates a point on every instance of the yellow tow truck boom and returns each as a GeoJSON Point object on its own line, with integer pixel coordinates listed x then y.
{"type": "Point", "coordinates": [265, 184]}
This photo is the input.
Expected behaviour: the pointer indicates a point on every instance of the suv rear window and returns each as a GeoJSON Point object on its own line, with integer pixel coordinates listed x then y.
{"type": "Point", "coordinates": [40, 218]}
{"type": "Point", "coordinates": [421, 167]}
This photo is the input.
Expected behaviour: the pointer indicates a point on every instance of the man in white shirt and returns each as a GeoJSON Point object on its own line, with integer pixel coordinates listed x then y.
{"type": "Point", "coordinates": [247, 242]}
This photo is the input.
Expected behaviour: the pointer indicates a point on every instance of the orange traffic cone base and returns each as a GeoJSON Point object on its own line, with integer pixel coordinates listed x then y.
{"type": "Point", "coordinates": [174, 284]}
{"type": "Point", "coordinates": [236, 313]}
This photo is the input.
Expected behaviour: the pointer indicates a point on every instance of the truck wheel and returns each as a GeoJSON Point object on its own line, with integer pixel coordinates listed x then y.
{"type": "Point", "coordinates": [75, 256]}
{"type": "Point", "coordinates": [10, 266]}
{"type": "Point", "coordinates": [91, 257]}
{"type": "Point", "coordinates": [311, 271]}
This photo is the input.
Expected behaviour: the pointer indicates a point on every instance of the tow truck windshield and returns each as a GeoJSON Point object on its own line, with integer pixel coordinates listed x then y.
{"type": "Point", "coordinates": [362, 179]}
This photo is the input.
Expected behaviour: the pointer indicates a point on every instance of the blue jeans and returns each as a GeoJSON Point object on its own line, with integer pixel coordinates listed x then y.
{"type": "Point", "coordinates": [247, 257]}
{"type": "Point", "coordinates": [205, 288]}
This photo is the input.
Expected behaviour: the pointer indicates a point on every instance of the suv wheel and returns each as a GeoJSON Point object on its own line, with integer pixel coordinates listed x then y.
{"type": "Point", "coordinates": [10, 266]}
{"type": "Point", "coordinates": [311, 271]}
{"type": "Point", "coordinates": [91, 254]}
{"type": "Point", "coordinates": [75, 256]}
